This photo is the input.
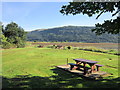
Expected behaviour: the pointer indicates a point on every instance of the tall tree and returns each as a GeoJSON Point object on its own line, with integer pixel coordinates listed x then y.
{"type": "Point", "coordinates": [91, 8]}
{"type": "Point", "coordinates": [3, 40]}
{"type": "Point", "coordinates": [15, 34]}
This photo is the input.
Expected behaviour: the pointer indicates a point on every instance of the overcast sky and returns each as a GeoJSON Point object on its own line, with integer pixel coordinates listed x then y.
{"type": "Point", "coordinates": [41, 15]}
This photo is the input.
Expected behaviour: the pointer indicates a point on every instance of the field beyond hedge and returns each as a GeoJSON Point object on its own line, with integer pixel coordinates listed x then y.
{"type": "Point", "coordinates": [33, 67]}
{"type": "Point", "coordinates": [81, 45]}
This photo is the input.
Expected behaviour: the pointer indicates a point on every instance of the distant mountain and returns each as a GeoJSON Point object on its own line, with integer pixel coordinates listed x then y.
{"type": "Point", "coordinates": [70, 34]}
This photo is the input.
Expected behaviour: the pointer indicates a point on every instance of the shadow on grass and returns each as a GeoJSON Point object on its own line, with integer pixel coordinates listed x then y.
{"type": "Point", "coordinates": [61, 79]}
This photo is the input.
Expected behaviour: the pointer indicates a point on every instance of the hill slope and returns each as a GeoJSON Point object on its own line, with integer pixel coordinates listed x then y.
{"type": "Point", "coordinates": [71, 34]}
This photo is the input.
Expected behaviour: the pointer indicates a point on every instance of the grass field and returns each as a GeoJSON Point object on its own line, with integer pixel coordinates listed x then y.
{"type": "Point", "coordinates": [33, 67]}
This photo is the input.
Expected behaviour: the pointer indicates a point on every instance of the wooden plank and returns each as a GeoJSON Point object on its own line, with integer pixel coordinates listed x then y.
{"type": "Point", "coordinates": [84, 60]}
{"type": "Point", "coordinates": [98, 65]}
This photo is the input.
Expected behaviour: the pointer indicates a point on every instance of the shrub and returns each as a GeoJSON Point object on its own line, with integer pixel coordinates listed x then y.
{"type": "Point", "coordinates": [35, 40]}
{"type": "Point", "coordinates": [96, 50]}
{"type": "Point", "coordinates": [19, 42]}
{"type": "Point", "coordinates": [20, 45]}
{"type": "Point", "coordinates": [39, 46]}
{"type": "Point", "coordinates": [111, 50]}
{"type": "Point", "coordinates": [88, 49]}
{"type": "Point", "coordinates": [6, 45]}
{"type": "Point", "coordinates": [69, 47]}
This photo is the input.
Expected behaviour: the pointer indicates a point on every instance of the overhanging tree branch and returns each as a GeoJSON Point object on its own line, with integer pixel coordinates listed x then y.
{"type": "Point", "coordinates": [91, 8]}
{"type": "Point", "coordinates": [99, 15]}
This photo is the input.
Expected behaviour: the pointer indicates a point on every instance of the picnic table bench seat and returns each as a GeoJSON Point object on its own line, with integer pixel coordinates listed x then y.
{"type": "Point", "coordinates": [80, 66]}
{"type": "Point", "coordinates": [98, 66]}
{"type": "Point", "coordinates": [72, 65]}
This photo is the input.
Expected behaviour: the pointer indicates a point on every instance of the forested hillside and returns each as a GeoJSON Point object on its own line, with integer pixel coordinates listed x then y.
{"type": "Point", "coordinates": [70, 34]}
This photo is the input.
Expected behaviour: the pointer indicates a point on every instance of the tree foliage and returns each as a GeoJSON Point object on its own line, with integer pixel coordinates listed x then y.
{"type": "Point", "coordinates": [91, 8]}
{"type": "Point", "coordinates": [13, 34]}
{"type": "Point", "coordinates": [4, 43]}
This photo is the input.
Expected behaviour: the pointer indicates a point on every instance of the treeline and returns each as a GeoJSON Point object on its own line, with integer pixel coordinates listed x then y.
{"type": "Point", "coordinates": [70, 34]}
{"type": "Point", "coordinates": [12, 36]}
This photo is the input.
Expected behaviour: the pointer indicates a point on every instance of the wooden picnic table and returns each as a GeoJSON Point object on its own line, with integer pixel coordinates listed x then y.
{"type": "Point", "coordinates": [89, 62]}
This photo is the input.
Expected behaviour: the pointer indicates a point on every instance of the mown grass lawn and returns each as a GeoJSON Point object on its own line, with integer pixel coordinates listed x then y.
{"type": "Point", "coordinates": [34, 68]}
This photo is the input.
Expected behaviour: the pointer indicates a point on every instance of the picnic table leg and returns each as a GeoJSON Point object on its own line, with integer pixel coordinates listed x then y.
{"type": "Point", "coordinates": [98, 69]}
{"type": "Point", "coordinates": [71, 67]}
{"type": "Point", "coordinates": [76, 62]}
{"type": "Point", "coordinates": [84, 64]}
{"type": "Point", "coordinates": [92, 68]}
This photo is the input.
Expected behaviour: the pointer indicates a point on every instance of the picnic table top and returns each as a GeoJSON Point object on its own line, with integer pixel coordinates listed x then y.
{"type": "Point", "coordinates": [86, 61]}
